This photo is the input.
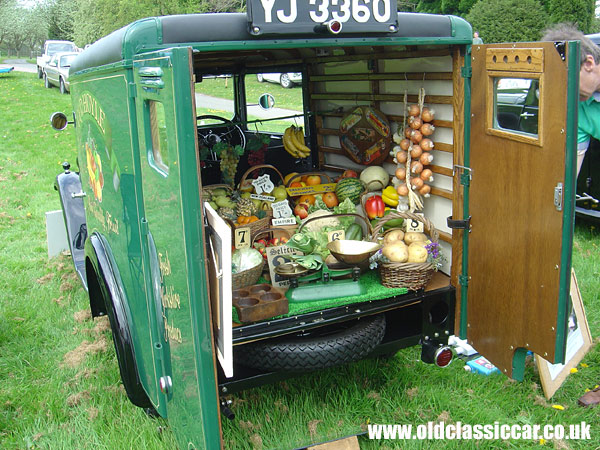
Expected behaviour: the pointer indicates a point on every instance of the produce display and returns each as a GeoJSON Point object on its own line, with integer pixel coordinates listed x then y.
{"type": "Point", "coordinates": [293, 142]}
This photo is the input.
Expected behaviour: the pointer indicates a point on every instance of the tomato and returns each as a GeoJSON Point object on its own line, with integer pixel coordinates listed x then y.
{"type": "Point", "coordinates": [330, 199]}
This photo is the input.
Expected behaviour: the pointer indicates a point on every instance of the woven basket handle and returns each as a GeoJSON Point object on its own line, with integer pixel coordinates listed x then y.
{"type": "Point", "coordinates": [260, 166]}
{"type": "Point", "coordinates": [211, 187]}
{"type": "Point", "coordinates": [300, 175]}
{"type": "Point", "coordinates": [434, 235]}
{"type": "Point", "coordinates": [369, 229]}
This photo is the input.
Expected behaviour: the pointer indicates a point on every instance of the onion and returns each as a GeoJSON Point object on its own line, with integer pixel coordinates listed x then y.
{"type": "Point", "coordinates": [415, 151]}
{"type": "Point", "coordinates": [415, 136]}
{"type": "Point", "coordinates": [401, 157]}
{"type": "Point", "coordinates": [427, 114]}
{"type": "Point", "coordinates": [426, 144]}
{"type": "Point", "coordinates": [402, 190]}
{"type": "Point", "coordinates": [404, 144]}
{"type": "Point", "coordinates": [425, 190]}
{"type": "Point", "coordinates": [427, 129]}
{"type": "Point", "coordinates": [415, 122]}
{"type": "Point", "coordinates": [426, 158]}
{"type": "Point", "coordinates": [401, 173]}
{"type": "Point", "coordinates": [416, 167]}
{"type": "Point", "coordinates": [427, 175]}
{"type": "Point", "coordinates": [414, 110]}
{"type": "Point", "coordinates": [417, 183]}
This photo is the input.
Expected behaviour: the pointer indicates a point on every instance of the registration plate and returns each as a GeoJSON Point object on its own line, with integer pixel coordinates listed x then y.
{"type": "Point", "coordinates": [308, 16]}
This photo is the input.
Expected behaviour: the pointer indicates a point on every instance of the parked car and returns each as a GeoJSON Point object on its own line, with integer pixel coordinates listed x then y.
{"type": "Point", "coordinates": [57, 71]}
{"type": "Point", "coordinates": [285, 79]}
{"type": "Point", "coordinates": [50, 48]}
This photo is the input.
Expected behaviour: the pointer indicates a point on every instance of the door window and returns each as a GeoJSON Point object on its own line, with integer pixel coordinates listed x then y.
{"type": "Point", "coordinates": [516, 105]}
{"type": "Point", "coordinates": [158, 154]}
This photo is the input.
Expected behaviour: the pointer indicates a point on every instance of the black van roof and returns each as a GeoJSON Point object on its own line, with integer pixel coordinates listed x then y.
{"type": "Point", "coordinates": [197, 29]}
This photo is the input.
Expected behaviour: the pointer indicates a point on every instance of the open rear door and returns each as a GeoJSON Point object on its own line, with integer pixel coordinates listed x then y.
{"type": "Point", "coordinates": [521, 200]}
{"type": "Point", "coordinates": [172, 222]}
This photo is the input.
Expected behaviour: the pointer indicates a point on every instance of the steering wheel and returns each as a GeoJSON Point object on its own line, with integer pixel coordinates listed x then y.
{"type": "Point", "coordinates": [226, 131]}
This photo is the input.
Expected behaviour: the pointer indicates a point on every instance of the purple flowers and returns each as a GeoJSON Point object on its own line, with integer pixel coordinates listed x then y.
{"type": "Point", "coordinates": [433, 249]}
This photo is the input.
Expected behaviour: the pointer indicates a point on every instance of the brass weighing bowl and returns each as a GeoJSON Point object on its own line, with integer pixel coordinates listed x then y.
{"type": "Point", "coordinates": [290, 270]}
{"type": "Point", "coordinates": [352, 252]}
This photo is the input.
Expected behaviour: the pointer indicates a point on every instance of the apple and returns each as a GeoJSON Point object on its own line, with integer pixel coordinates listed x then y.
{"type": "Point", "coordinates": [301, 210]}
{"type": "Point", "coordinates": [349, 174]}
{"type": "Point", "coordinates": [277, 241]}
{"type": "Point", "coordinates": [313, 180]}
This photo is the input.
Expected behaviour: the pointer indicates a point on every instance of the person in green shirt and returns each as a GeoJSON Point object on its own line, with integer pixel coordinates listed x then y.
{"type": "Point", "coordinates": [476, 38]}
{"type": "Point", "coordinates": [588, 122]}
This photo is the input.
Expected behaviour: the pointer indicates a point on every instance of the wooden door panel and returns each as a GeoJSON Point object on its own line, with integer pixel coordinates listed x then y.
{"type": "Point", "coordinates": [515, 243]}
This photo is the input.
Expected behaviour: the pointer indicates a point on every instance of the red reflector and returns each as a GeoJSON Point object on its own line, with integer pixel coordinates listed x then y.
{"type": "Point", "coordinates": [335, 26]}
{"type": "Point", "coordinates": [443, 357]}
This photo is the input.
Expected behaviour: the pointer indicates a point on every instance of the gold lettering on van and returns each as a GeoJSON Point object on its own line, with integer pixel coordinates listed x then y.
{"type": "Point", "coordinates": [87, 104]}
{"type": "Point", "coordinates": [164, 264]}
{"type": "Point", "coordinates": [172, 333]}
{"type": "Point", "coordinates": [170, 298]}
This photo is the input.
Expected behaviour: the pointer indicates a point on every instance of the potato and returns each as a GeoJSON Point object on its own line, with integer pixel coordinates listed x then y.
{"type": "Point", "coordinates": [419, 244]}
{"type": "Point", "coordinates": [417, 254]}
{"type": "Point", "coordinates": [396, 252]}
{"type": "Point", "coordinates": [393, 236]}
{"type": "Point", "coordinates": [412, 236]}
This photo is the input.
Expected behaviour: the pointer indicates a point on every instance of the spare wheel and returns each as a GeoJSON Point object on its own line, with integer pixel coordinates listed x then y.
{"type": "Point", "coordinates": [327, 346]}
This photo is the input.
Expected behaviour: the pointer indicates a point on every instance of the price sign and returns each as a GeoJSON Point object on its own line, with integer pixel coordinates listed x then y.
{"type": "Point", "coordinates": [282, 209]}
{"type": "Point", "coordinates": [242, 237]}
{"type": "Point", "coordinates": [414, 225]}
{"type": "Point", "coordinates": [263, 184]}
{"type": "Point", "coordinates": [336, 235]}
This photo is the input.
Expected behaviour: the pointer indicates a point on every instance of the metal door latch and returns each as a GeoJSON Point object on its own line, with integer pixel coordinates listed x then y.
{"type": "Point", "coordinates": [558, 197]}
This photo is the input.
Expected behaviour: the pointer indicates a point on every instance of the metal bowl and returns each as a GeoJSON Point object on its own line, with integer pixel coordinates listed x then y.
{"type": "Point", "coordinates": [352, 252]}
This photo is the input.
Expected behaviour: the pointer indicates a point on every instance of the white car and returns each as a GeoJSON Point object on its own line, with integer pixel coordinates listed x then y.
{"type": "Point", "coordinates": [57, 71]}
{"type": "Point", "coordinates": [286, 79]}
{"type": "Point", "coordinates": [50, 48]}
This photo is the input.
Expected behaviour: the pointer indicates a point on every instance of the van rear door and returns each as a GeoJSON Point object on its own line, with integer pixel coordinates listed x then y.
{"type": "Point", "coordinates": [521, 203]}
{"type": "Point", "coordinates": [175, 261]}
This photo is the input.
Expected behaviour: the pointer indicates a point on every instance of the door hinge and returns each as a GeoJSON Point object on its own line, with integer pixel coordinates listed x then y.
{"type": "Point", "coordinates": [132, 90]}
{"type": "Point", "coordinates": [463, 280]}
{"type": "Point", "coordinates": [466, 72]}
{"type": "Point", "coordinates": [465, 177]}
{"type": "Point", "coordinates": [145, 229]}
{"type": "Point", "coordinates": [459, 224]}
{"type": "Point", "coordinates": [558, 197]}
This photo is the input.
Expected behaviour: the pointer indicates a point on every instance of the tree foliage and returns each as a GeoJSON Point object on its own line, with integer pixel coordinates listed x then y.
{"type": "Point", "coordinates": [579, 12]}
{"type": "Point", "coordinates": [508, 20]}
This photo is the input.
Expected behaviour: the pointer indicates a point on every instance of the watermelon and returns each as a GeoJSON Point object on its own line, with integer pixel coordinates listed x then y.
{"type": "Point", "coordinates": [350, 188]}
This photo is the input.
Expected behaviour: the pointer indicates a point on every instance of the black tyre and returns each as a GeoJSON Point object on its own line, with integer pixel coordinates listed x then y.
{"type": "Point", "coordinates": [61, 86]}
{"type": "Point", "coordinates": [326, 347]}
{"type": "Point", "coordinates": [46, 82]}
{"type": "Point", "coordinates": [40, 73]}
{"type": "Point", "coordinates": [285, 81]}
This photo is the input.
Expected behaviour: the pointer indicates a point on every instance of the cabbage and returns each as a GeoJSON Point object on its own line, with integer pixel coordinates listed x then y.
{"type": "Point", "coordinates": [244, 259]}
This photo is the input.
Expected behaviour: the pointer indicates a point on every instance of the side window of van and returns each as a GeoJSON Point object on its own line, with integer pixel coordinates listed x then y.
{"type": "Point", "coordinates": [158, 155]}
{"type": "Point", "coordinates": [284, 102]}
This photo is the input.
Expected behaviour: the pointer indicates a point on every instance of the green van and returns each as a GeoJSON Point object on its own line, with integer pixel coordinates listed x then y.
{"type": "Point", "coordinates": [143, 245]}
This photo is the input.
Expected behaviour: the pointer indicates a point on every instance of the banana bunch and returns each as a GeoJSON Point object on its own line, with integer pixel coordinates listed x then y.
{"type": "Point", "coordinates": [293, 142]}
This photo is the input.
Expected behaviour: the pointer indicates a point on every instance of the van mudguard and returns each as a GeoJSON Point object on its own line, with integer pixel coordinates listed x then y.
{"type": "Point", "coordinates": [105, 286]}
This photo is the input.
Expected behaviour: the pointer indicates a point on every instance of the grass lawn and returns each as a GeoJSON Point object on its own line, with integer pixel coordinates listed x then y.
{"type": "Point", "coordinates": [61, 387]}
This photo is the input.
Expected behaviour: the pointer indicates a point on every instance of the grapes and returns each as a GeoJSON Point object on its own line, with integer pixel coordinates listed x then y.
{"type": "Point", "coordinates": [229, 163]}
{"type": "Point", "coordinates": [257, 157]}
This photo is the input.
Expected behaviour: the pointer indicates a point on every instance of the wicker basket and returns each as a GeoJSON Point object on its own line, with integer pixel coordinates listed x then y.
{"type": "Point", "coordinates": [413, 276]}
{"type": "Point", "coordinates": [270, 230]}
{"type": "Point", "coordinates": [247, 277]}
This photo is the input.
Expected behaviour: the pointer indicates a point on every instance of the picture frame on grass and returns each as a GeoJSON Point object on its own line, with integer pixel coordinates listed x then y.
{"type": "Point", "coordinates": [579, 341]}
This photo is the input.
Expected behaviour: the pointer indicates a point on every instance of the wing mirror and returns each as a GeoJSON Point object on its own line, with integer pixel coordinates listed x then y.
{"type": "Point", "coordinates": [266, 101]}
{"type": "Point", "coordinates": [59, 121]}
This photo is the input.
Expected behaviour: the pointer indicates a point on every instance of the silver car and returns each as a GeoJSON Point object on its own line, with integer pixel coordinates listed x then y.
{"type": "Point", "coordinates": [286, 79]}
{"type": "Point", "coordinates": [56, 71]}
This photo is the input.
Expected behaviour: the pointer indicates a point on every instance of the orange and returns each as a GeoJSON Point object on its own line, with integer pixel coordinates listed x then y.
{"type": "Point", "coordinates": [308, 198]}
{"type": "Point", "coordinates": [330, 199]}
{"type": "Point", "coordinates": [252, 219]}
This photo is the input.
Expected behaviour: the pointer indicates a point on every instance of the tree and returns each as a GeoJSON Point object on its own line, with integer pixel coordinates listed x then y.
{"type": "Point", "coordinates": [508, 20]}
{"type": "Point", "coordinates": [579, 12]}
